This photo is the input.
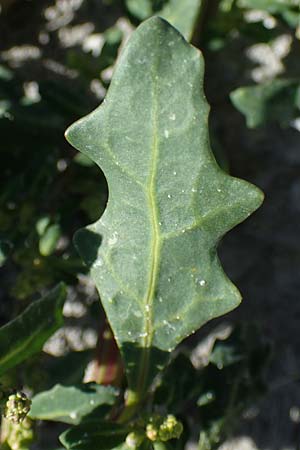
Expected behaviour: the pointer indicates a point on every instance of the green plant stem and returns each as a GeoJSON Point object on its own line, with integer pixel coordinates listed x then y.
{"type": "Point", "coordinates": [160, 446]}
{"type": "Point", "coordinates": [132, 403]}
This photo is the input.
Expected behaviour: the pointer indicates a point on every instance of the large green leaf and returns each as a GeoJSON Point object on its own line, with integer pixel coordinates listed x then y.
{"type": "Point", "coordinates": [27, 333]}
{"type": "Point", "coordinates": [70, 404]}
{"type": "Point", "coordinates": [153, 253]}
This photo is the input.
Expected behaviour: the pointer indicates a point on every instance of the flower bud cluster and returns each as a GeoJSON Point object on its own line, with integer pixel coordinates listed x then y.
{"type": "Point", "coordinates": [158, 429]}
{"type": "Point", "coordinates": [17, 407]}
{"type": "Point", "coordinates": [152, 428]}
{"type": "Point", "coordinates": [171, 428]}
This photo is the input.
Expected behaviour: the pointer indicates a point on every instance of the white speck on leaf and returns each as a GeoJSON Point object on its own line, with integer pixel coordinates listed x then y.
{"type": "Point", "coordinates": [113, 240]}
{"type": "Point", "coordinates": [98, 263]}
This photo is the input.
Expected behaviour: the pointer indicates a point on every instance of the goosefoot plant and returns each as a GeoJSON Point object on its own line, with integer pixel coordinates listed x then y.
{"type": "Point", "coordinates": [152, 254]}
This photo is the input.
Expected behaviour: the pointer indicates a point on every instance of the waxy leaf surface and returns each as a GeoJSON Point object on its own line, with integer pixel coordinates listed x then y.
{"type": "Point", "coordinates": [153, 252]}
{"type": "Point", "coordinates": [70, 404]}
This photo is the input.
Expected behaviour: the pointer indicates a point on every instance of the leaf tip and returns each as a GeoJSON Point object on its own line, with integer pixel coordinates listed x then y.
{"type": "Point", "coordinates": [69, 133]}
{"type": "Point", "coordinates": [76, 132]}
{"type": "Point", "coordinates": [156, 20]}
{"type": "Point", "coordinates": [259, 197]}
{"type": "Point", "coordinates": [159, 23]}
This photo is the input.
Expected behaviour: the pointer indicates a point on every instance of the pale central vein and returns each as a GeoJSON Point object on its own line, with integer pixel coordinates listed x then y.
{"type": "Point", "coordinates": [154, 254]}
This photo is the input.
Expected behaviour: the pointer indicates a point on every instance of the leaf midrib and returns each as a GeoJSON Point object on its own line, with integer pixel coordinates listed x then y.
{"type": "Point", "coordinates": [155, 249]}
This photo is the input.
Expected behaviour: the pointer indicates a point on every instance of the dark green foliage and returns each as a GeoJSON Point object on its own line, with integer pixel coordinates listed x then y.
{"type": "Point", "coordinates": [26, 334]}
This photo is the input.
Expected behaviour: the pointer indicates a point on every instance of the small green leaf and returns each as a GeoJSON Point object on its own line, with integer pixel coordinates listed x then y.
{"type": "Point", "coordinates": [181, 14]}
{"type": "Point", "coordinates": [42, 224]}
{"type": "Point", "coordinates": [205, 399]}
{"type": "Point", "coordinates": [95, 435]}
{"type": "Point", "coordinates": [153, 253]}
{"type": "Point", "coordinates": [273, 100]}
{"type": "Point", "coordinates": [26, 334]}
{"type": "Point", "coordinates": [224, 355]}
{"type": "Point", "coordinates": [141, 9]}
{"type": "Point", "coordinates": [70, 404]}
{"type": "Point", "coordinates": [5, 73]}
{"type": "Point", "coordinates": [49, 240]}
